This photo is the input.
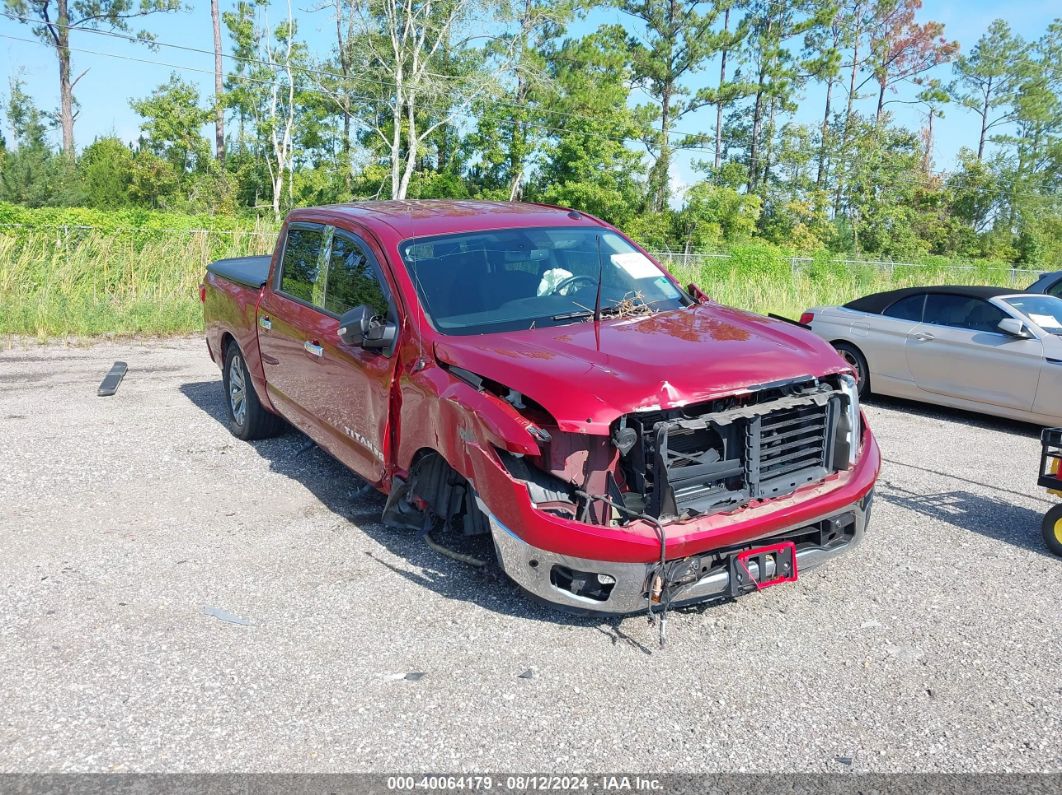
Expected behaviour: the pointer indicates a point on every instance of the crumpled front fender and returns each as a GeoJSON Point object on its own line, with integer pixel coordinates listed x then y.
{"type": "Point", "coordinates": [443, 413]}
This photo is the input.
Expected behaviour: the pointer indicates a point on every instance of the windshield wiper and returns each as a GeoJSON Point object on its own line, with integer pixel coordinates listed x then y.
{"type": "Point", "coordinates": [586, 313]}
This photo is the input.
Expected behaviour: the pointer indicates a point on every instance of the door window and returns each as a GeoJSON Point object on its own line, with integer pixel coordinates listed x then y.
{"type": "Point", "coordinates": [1043, 310]}
{"type": "Point", "coordinates": [353, 279]}
{"type": "Point", "coordinates": [960, 311]}
{"type": "Point", "coordinates": [909, 308]}
{"type": "Point", "coordinates": [300, 274]}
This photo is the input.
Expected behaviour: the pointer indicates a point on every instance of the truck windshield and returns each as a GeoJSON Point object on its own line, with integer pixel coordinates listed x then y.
{"type": "Point", "coordinates": [508, 279]}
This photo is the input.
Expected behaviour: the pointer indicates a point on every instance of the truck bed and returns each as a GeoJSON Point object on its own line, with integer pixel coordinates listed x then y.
{"type": "Point", "coordinates": [248, 271]}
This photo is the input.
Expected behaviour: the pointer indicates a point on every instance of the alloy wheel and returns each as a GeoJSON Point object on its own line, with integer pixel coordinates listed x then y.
{"type": "Point", "coordinates": [237, 390]}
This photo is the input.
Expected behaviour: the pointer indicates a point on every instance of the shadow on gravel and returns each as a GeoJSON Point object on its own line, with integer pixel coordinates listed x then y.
{"type": "Point", "coordinates": [997, 519]}
{"type": "Point", "coordinates": [295, 456]}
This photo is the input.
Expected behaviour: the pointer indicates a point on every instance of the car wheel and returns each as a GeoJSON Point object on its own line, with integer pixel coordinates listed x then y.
{"type": "Point", "coordinates": [247, 418]}
{"type": "Point", "coordinates": [1052, 530]}
{"type": "Point", "coordinates": [858, 362]}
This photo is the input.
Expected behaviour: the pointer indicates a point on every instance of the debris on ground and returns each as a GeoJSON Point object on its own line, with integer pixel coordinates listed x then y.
{"type": "Point", "coordinates": [225, 615]}
{"type": "Point", "coordinates": [114, 377]}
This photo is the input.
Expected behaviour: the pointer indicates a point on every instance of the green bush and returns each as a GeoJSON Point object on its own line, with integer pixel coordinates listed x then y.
{"type": "Point", "coordinates": [760, 258]}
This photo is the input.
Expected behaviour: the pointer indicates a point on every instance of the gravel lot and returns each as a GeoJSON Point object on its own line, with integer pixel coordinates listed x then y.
{"type": "Point", "coordinates": [129, 524]}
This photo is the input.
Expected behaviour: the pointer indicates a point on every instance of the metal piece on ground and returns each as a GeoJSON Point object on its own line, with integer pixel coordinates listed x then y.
{"type": "Point", "coordinates": [110, 382]}
{"type": "Point", "coordinates": [225, 615]}
{"type": "Point", "coordinates": [305, 448]}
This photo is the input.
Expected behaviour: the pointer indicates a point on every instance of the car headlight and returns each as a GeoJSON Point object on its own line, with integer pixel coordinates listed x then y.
{"type": "Point", "coordinates": [853, 430]}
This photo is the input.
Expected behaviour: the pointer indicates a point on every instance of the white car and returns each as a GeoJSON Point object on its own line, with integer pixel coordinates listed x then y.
{"type": "Point", "coordinates": [983, 349]}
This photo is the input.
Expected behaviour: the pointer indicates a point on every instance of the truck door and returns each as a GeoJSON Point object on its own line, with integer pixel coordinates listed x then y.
{"type": "Point", "coordinates": [285, 312]}
{"type": "Point", "coordinates": [338, 394]}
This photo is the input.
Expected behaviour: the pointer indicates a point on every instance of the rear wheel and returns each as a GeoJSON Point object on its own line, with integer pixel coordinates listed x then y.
{"type": "Point", "coordinates": [1052, 530]}
{"type": "Point", "coordinates": [248, 419]}
{"type": "Point", "coordinates": [858, 362]}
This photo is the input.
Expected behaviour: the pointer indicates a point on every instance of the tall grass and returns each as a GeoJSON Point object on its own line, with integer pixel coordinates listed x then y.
{"type": "Point", "coordinates": [70, 281]}
{"type": "Point", "coordinates": [127, 280]}
{"type": "Point", "coordinates": [765, 279]}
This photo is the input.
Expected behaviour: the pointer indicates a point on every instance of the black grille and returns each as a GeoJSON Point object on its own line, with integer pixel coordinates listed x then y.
{"type": "Point", "coordinates": [690, 463]}
{"type": "Point", "coordinates": [792, 446]}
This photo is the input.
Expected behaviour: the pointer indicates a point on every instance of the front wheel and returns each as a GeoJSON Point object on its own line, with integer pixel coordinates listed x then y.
{"type": "Point", "coordinates": [1052, 530]}
{"type": "Point", "coordinates": [248, 419]}
{"type": "Point", "coordinates": [855, 359]}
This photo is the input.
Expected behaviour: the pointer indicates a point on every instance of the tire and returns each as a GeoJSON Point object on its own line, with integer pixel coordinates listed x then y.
{"type": "Point", "coordinates": [858, 362]}
{"type": "Point", "coordinates": [248, 420]}
{"type": "Point", "coordinates": [1052, 530]}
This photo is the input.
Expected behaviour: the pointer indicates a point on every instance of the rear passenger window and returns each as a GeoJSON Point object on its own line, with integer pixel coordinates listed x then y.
{"type": "Point", "coordinates": [353, 279]}
{"type": "Point", "coordinates": [300, 268]}
{"type": "Point", "coordinates": [909, 308]}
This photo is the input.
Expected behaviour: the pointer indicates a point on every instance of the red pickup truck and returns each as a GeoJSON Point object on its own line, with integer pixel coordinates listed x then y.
{"type": "Point", "coordinates": [527, 374]}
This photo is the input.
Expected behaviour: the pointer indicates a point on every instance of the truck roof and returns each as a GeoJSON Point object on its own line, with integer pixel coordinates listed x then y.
{"type": "Point", "coordinates": [424, 217]}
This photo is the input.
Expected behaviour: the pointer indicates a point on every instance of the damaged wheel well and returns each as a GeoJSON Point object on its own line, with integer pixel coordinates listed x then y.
{"type": "Point", "coordinates": [436, 487]}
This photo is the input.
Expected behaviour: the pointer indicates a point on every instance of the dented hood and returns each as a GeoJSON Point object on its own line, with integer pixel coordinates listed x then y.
{"type": "Point", "coordinates": [587, 374]}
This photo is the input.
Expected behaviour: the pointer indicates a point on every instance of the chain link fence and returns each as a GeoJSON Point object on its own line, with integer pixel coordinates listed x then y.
{"type": "Point", "coordinates": [889, 269]}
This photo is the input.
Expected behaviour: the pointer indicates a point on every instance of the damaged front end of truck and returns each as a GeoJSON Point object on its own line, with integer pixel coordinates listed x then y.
{"type": "Point", "coordinates": [666, 505]}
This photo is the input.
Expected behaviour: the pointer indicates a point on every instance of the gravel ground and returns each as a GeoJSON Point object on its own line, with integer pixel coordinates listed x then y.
{"type": "Point", "coordinates": [172, 599]}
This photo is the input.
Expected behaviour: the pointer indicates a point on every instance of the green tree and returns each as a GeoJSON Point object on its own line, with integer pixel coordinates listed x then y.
{"type": "Point", "coordinates": [933, 97]}
{"type": "Point", "coordinates": [172, 126]}
{"type": "Point", "coordinates": [154, 181]}
{"type": "Point", "coordinates": [794, 206]}
{"type": "Point", "coordinates": [422, 67]}
{"type": "Point", "coordinates": [1033, 170]}
{"type": "Point", "coordinates": [779, 72]}
{"type": "Point", "coordinates": [54, 20]}
{"type": "Point", "coordinates": [588, 164]}
{"type": "Point", "coordinates": [30, 172]}
{"type": "Point", "coordinates": [241, 91]}
{"type": "Point", "coordinates": [987, 79]}
{"type": "Point", "coordinates": [824, 43]}
{"type": "Point", "coordinates": [728, 90]}
{"type": "Point", "coordinates": [976, 194]}
{"type": "Point", "coordinates": [105, 172]}
{"type": "Point", "coordinates": [538, 23]}
{"type": "Point", "coordinates": [28, 124]}
{"type": "Point", "coordinates": [673, 41]}
{"type": "Point", "coordinates": [715, 214]}
{"type": "Point", "coordinates": [882, 173]}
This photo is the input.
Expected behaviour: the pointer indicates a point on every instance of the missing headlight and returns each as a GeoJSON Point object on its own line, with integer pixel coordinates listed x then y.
{"type": "Point", "coordinates": [849, 430]}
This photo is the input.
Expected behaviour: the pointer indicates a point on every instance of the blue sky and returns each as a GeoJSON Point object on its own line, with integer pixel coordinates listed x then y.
{"type": "Point", "coordinates": [105, 90]}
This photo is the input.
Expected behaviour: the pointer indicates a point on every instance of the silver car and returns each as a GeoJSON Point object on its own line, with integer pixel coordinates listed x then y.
{"type": "Point", "coordinates": [982, 349]}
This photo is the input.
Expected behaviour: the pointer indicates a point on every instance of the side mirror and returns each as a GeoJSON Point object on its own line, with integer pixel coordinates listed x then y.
{"type": "Point", "coordinates": [354, 325]}
{"type": "Point", "coordinates": [697, 294]}
{"type": "Point", "coordinates": [1015, 328]}
{"type": "Point", "coordinates": [363, 328]}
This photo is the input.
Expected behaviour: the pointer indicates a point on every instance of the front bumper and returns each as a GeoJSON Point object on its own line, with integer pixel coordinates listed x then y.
{"type": "Point", "coordinates": [547, 574]}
